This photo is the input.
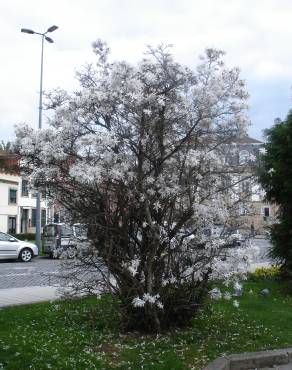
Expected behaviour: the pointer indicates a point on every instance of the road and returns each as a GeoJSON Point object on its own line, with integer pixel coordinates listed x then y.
{"type": "Point", "coordinates": [43, 271]}
{"type": "Point", "coordinates": [263, 245]}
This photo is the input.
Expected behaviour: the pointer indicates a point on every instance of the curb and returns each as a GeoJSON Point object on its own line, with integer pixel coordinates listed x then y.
{"type": "Point", "coordinates": [252, 360]}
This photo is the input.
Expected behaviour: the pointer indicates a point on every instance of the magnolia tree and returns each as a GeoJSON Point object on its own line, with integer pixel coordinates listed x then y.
{"type": "Point", "coordinates": [137, 155]}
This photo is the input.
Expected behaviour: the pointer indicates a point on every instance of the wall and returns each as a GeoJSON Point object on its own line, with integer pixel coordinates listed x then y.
{"type": "Point", "coordinates": [7, 181]}
{"type": "Point", "coordinates": [13, 181]}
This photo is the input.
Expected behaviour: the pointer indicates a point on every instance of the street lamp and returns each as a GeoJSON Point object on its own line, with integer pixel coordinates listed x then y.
{"type": "Point", "coordinates": [38, 195]}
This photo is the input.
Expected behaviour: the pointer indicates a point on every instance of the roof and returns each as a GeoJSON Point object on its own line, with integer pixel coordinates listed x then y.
{"type": "Point", "coordinates": [6, 154]}
{"type": "Point", "coordinates": [244, 140]}
{"type": "Point", "coordinates": [8, 162]}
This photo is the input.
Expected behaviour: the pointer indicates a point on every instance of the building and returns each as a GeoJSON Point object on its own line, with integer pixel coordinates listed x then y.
{"type": "Point", "coordinates": [17, 201]}
{"type": "Point", "coordinates": [242, 154]}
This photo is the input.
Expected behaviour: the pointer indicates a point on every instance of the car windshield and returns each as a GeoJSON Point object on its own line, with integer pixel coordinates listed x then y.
{"type": "Point", "coordinates": [50, 230]}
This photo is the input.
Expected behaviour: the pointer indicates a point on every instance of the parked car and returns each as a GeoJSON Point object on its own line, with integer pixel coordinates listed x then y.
{"type": "Point", "coordinates": [232, 237]}
{"type": "Point", "coordinates": [58, 237]}
{"type": "Point", "coordinates": [12, 248]}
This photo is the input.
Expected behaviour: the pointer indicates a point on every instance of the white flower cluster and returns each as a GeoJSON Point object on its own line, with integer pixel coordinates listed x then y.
{"type": "Point", "coordinates": [132, 266]}
{"type": "Point", "coordinates": [152, 299]}
{"type": "Point", "coordinates": [137, 149]}
{"type": "Point", "coordinates": [216, 294]}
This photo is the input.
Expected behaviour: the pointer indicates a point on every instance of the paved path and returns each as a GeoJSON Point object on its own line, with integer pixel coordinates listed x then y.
{"type": "Point", "coordinates": [24, 283]}
{"type": "Point", "coordinates": [278, 367]}
{"type": "Point", "coordinates": [36, 281]}
{"type": "Point", "coordinates": [26, 295]}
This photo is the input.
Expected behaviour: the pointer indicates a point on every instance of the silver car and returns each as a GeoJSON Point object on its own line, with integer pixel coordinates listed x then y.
{"type": "Point", "coordinates": [12, 248]}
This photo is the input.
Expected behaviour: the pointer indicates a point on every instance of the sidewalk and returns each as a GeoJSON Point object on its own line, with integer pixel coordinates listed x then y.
{"type": "Point", "coordinates": [16, 296]}
{"type": "Point", "coordinates": [26, 295]}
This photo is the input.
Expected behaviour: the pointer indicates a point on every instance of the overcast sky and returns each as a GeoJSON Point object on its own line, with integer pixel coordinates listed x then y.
{"type": "Point", "coordinates": [256, 35]}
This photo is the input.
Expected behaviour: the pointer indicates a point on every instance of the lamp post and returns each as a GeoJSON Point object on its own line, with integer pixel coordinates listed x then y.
{"type": "Point", "coordinates": [38, 195]}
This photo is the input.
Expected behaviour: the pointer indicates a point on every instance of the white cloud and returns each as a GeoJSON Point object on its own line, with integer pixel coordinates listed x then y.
{"type": "Point", "coordinates": [256, 35]}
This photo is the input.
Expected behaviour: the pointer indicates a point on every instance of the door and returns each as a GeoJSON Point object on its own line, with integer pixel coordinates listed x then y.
{"type": "Point", "coordinates": [24, 221]}
{"type": "Point", "coordinates": [49, 237]}
{"type": "Point", "coordinates": [8, 246]}
{"type": "Point", "coordinates": [66, 234]}
{"type": "Point", "coordinates": [12, 225]}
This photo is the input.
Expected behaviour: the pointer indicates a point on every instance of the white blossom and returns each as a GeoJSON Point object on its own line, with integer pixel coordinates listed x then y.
{"type": "Point", "coordinates": [152, 299]}
{"type": "Point", "coordinates": [235, 303]}
{"type": "Point", "coordinates": [138, 302]}
{"type": "Point", "coordinates": [215, 293]}
{"type": "Point", "coordinates": [237, 286]}
{"type": "Point", "coordinates": [137, 154]}
{"type": "Point", "coordinates": [157, 206]}
{"type": "Point", "coordinates": [227, 296]}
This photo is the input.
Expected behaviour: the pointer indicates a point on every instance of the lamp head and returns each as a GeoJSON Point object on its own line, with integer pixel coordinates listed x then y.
{"type": "Point", "coordinates": [52, 28]}
{"type": "Point", "coordinates": [26, 30]}
{"type": "Point", "coordinates": [49, 39]}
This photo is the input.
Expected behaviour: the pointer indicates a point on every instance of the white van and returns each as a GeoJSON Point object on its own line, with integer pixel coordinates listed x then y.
{"type": "Point", "coordinates": [58, 237]}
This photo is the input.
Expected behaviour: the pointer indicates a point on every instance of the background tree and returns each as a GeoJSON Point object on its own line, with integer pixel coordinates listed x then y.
{"type": "Point", "coordinates": [5, 146]}
{"type": "Point", "coordinates": [8, 160]}
{"type": "Point", "coordinates": [276, 179]}
{"type": "Point", "coordinates": [137, 155]}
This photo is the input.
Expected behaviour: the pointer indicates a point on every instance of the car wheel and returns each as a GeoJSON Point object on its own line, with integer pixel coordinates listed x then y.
{"type": "Point", "coordinates": [25, 255]}
{"type": "Point", "coordinates": [71, 252]}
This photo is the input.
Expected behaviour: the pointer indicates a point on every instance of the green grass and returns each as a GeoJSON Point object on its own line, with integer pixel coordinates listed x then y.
{"type": "Point", "coordinates": [84, 334]}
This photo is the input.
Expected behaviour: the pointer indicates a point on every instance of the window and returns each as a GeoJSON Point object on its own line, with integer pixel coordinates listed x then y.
{"type": "Point", "coordinates": [243, 157]}
{"type": "Point", "coordinates": [265, 211]}
{"type": "Point", "coordinates": [246, 187]}
{"type": "Point", "coordinates": [50, 230]}
{"type": "Point", "coordinates": [4, 237]}
{"type": "Point", "coordinates": [12, 196]}
{"type": "Point", "coordinates": [24, 220]}
{"type": "Point", "coordinates": [56, 217]}
{"type": "Point", "coordinates": [24, 188]}
{"type": "Point", "coordinates": [12, 225]}
{"type": "Point", "coordinates": [66, 230]}
{"type": "Point", "coordinates": [33, 217]}
{"type": "Point", "coordinates": [43, 217]}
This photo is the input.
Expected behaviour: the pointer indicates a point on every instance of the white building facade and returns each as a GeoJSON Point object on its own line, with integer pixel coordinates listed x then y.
{"type": "Point", "coordinates": [259, 214]}
{"type": "Point", "coordinates": [18, 205]}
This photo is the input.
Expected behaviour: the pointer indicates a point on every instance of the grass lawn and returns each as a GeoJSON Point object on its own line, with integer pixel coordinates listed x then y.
{"type": "Point", "coordinates": [84, 334]}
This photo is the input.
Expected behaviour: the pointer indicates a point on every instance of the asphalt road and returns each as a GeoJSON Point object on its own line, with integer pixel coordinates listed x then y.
{"type": "Point", "coordinates": [43, 271]}
{"type": "Point", "coordinates": [263, 245]}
